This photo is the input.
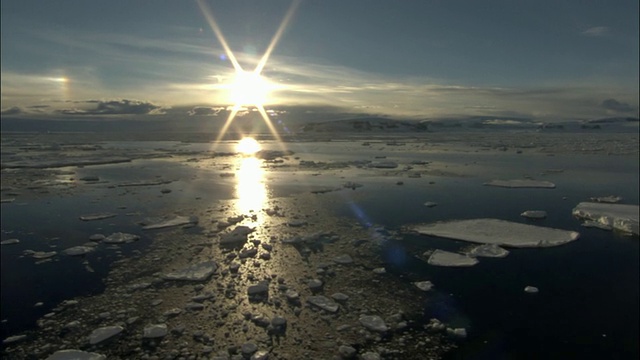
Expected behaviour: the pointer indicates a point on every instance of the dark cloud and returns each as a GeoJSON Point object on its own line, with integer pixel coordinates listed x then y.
{"type": "Point", "coordinates": [115, 107]}
{"type": "Point", "coordinates": [204, 111]}
{"type": "Point", "coordinates": [11, 111]}
{"type": "Point", "coordinates": [615, 105]}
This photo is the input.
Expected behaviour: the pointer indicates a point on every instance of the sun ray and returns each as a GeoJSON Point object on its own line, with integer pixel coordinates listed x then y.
{"type": "Point", "coordinates": [214, 26]}
{"type": "Point", "coordinates": [276, 37]}
{"type": "Point", "coordinates": [232, 115]}
{"type": "Point", "coordinates": [267, 121]}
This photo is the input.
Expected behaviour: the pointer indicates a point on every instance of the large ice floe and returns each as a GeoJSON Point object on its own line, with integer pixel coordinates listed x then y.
{"type": "Point", "coordinates": [526, 183]}
{"type": "Point", "coordinates": [617, 216]}
{"type": "Point", "coordinates": [498, 232]}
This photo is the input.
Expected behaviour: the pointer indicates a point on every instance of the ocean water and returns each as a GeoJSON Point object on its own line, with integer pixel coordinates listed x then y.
{"type": "Point", "coordinates": [588, 301]}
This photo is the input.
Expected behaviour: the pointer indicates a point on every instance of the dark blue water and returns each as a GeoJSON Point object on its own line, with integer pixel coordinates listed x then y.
{"type": "Point", "coordinates": [587, 306]}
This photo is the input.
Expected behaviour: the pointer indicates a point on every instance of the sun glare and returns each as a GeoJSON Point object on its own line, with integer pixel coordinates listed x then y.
{"type": "Point", "coordinates": [248, 89]}
{"type": "Point", "coordinates": [248, 146]}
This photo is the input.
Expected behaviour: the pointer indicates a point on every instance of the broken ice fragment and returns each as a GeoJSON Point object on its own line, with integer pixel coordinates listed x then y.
{"type": "Point", "coordinates": [155, 331]}
{"type": "Point", "coordinates": [522, 184]}
{"type": "Point", "coordinates": [13, 339]}
{"type": "Point", "coordinates": [618, 216]}
{"type": "Point", "coordinates": [373, 323]}
{"type": "Point", "coordinates": [489, 250]}
{"type": "Point", "coordinates": [597, 225]}
{"type": "Point", "coordinates": [424, 285]}
{"type": "Point", "coordinates": [120, 238]}
{"type": "Point", "coordinates": [430, 204]}
{"type": "Point", "coordinates": [383, 165]}
{"type": "Point", "coordinates": [343, 259]}
{"type": "Point", "coordinates": [10, 242]}
{"type": "Point", "coordinates": [236, 237]}
{"type": "Point", "coordinates": [43, 255]}
{"type": "Point", "coordinates": [323, 303]}
{"type": "Point", "coordinates": [78, 250]}
{"type": "Point", "coordinates": [607, 199]}
{"type": "Point", "coordinates": [446, 258]}
{"type": "Point", "coordinates": [531, 289]}
{"type": "Point", "coordinates": [101, 334]}
{"type": "Point", "coordinates": [73, 354]}
{"type": "Point", "coordinates": [164, 223]}
{"type": "Point", "coordinates": [7, 200]}
{"type": "Point", "coordinates": [297, 223]}
{"type": "Point", "coordinates": [534, 214]}
{"type": "Point", "coordinates": [197, 272]}
{"type": "Point", "coordinates": [499, 232]}
{"type": "Point", "coordinates": [100, 216]}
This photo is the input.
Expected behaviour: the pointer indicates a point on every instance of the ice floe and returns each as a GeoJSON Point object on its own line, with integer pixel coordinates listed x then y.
{"type": "Point", "coordinates": [10, 242]}
{"type": "Point", "coordinates": [150, 224]}
{"type": "Point", "coordinates": [607, 199]}
{"type": "Point", "coordinates": [534, 214]}
{"type": "Point", "coordinates": [197, 272]}
{"type": "Point", "coordinates": [78, 250]}
{"type": "Point", "coordinates": [489, 250]}
{"type": "Point", "coordinates": [522, 183]}
{"type": "Point", "coordinates": [100, 216]}
{"type": "Point", "coordinates": [424, 285]}
{"type": "Point", "coordinates": [373, 323]}
{"type": "Point", "coordinates": [323, 303]}
{"type": "Point", "coordinates": [101, 334]}
{"type": "Point", "coordinates": [120, 238]}
{"type": "Point", "coordinates": [499, 232]}
{"type": "Point", "coordinates": [531, 289]}
{"type": "Point", "coordinates": [236, 237]}
{"type": "Point", "coordinates": [73, 354]}
{"type": "Point", "coordinates": [446, 258]}
{"type": "Point", "coordinates": [617, 216]}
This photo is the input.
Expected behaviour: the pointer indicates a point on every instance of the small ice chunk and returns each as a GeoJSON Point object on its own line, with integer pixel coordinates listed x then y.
{"type": "Point", "coordinates": [430, 204]}
{"type": "Point", "coordinates": [43, 254]}
{"type": "Point", "coordinates": [489, 250]}
{"type": "Point", "coordinates": [424, 285]}
{"type": "Point", "coordinates": [165, 222]}
{"type": "Point", "coordinates": [10, 242]}
{"type": "Point", "coordinates": [618, 216]}
{"type": "Point", "coordinates": [526, 183]}
{"type": "Point", "coordinates": [323, 303]}
{"type": "Point", "coordinates": [96, 237]}
{"type": "Point", "coordinates": [383, 165]}
{"type": "Point", "coordinates": [534, 214]}
{"type": "Point", "coordinates": [197, 272]}
{"type": "Point", "coordinates": [120, 238]}
{"type": "Point", "coordinates": [297, 223]}
{"type": "Point", "coordinates": [100, 216]}
{"type": "Point", "coordinates": [597, 225]}
{"type": "Point", "coordinates": [499, 232]}
{"type": "Point", "coordinates": [373, 323]}
{"type": "Point", "coordinates": [155, 331]}
{"type": "Point", "coordinates": [73, 354]}
{"type": "Point", "coordinates": [14, 339]}
{"type": "Point", "coordinates": [343, 259]}
{"type": "Point", "coordinates": [78, 250]}
{"type": "Point", "coordinates": [607, 199]}
{"type": "Point", "coordinates": [457, 332]}
{"type": "Point", "coordinates": [446, 258]}
{"type": "Point", "coordinates": [236, 237]}
{"type": "Point", "coordinates": [101, 334]}
{"type": "Point", "coordinates": [531, 289]}
{"type": "Point", "coordinates": [7, 200]}
{"type": "Point", "coordinates": [380, 271]}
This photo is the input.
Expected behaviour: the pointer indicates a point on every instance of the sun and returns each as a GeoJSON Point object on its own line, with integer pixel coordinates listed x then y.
{"type": "Point", "coordinates": [248, 146]}
{"type": "Point", "coordinates": [249, 89]}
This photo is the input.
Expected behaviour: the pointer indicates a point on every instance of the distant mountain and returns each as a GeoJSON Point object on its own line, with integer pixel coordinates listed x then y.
{"type": "Point", "coordinates": [614, 120]}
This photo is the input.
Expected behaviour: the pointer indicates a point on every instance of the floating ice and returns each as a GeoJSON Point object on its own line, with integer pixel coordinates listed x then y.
{"type": "Point", "coordinates": [446, 258]}
{"type": "Point", "coordinates": [236, 237]}
{"type": "Point", "coordinates": [373, 323]}
{"type": "Point", "coordinates": [73, 354]}
{"type": "Point", "coordinates": [14, 339]}
{"type": "Point", "coordinates": [430, 204]}
{"type": "Point", "coordinates": [522, 184]}
{"type": "Point", "coordinates": [343, 259]}
{"type": "Point", "coordinates": [101, 334]}
{"type": "Point", "coordinates": [534, 214]}
{"type": "Point", "coordinates": [323, 303]}
{"type": "Point", "coordinates": [499, 232]}
{"type": "Point", "coordinates": [607, 199]}
{"type": "Point", "coordinates": [531, 289]}
{"type": "Point", "coordinates": [489, 250]}
{"type": "Point", "coordinates": [7, 200]}
{"type": "Point", "coordinates": [618, 216]}
{"type": "Point", "coordinates": [78, 250]}
{"type": "Point", "coordinates": [120, 238]}
{"type": "Point", "coordinates": [198, 272]}
{"type": "Point", "coordinates": [10, 242]}
{"type": "Point", "coordinates": [43, 254]}
{"type": "Point", "coordinates": [155, 331]}
{"type": "Point", "coordinates": [383, 165]}
{"type": "Point", "coordinates": [151, 224]}
{"type": "Point", "coordinates": [424, 285]}
{"type": "Point", "coordinates": [145, 183]}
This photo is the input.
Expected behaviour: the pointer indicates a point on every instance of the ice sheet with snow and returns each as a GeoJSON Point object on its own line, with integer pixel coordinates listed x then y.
{"type": "Point", "coordinates": [499, 232]}
{"type": "Point", "coordinates": [617, 216]}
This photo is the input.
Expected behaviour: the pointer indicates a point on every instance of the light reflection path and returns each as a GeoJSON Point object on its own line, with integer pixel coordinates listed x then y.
{"type": "Point", "coordinates": [251, 189]}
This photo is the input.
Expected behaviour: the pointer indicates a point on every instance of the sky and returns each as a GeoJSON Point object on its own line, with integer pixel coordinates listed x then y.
{"type": "Point", "coordinates": [545, 60]}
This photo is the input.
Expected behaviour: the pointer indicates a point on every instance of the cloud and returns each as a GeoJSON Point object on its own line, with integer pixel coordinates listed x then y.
{"type": "Point", "coordinates": [115, 107]}
{"type": "Point", "coordinates": [205, 111]}
{"type": "Point", "coordinates": [616, 106]}
{"type": "Point", "coordinates": [597, 31]}
{"type": "Point", "coordinates": [11, 111]}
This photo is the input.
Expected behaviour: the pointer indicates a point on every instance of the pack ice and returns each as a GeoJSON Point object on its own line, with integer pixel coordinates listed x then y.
{"type": "Point", "coordinates": [617, 216]}
{"type": "Point", "coordinates": [498, 232]}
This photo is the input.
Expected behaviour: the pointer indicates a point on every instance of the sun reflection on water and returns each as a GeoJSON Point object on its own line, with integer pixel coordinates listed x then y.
{"type": "Point", "coordinates": [251, 189]}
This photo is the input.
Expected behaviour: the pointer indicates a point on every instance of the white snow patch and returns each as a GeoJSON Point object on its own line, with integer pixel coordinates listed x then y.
{"type": "Point", "coordinates": [498, 232]}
